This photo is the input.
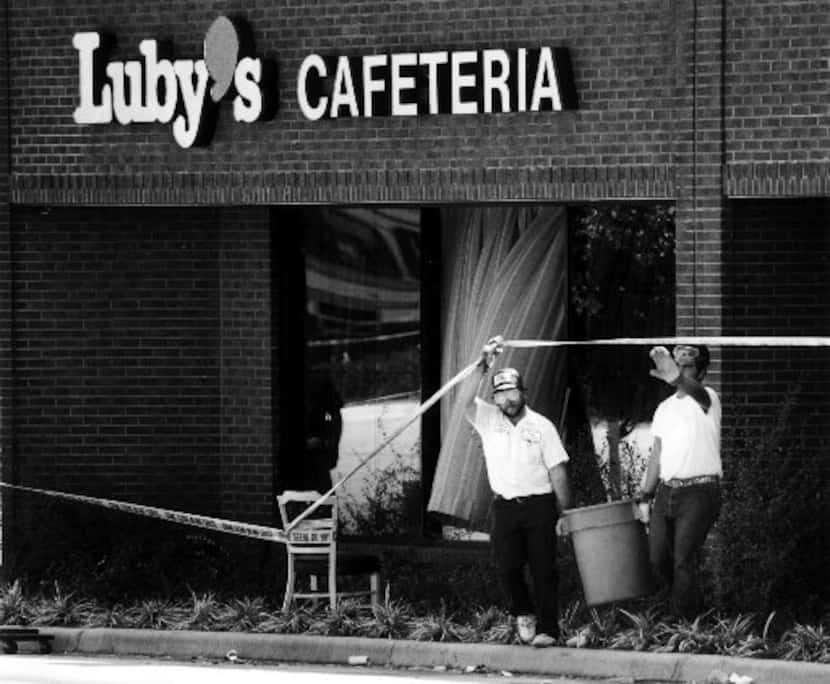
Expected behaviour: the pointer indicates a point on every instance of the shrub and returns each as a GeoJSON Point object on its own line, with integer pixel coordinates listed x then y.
{"type": "Point", "coordinates": [131, 558]}
{"type": "Point", "coordinates": [13, 604]}
{"type": "Point", "coordinates": [640, 626]}
{"type": "Point", "coordinates": [390, 620]}
{"type": "Point", "coordinates": [61, 608]}
{"type": "Point", "coordinates": [805, 642]}
{"type": "Point", "coordinates": [389, 505]}
{"type": "Point", "coordinates": [438, 578]}
{"type": "Point", "coordinates": [772, 542]}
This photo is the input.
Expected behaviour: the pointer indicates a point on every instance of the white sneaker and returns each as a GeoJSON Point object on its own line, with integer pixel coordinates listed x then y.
{"type": "Point", "coordinates": [542, 640]}
{"type": "Point", "coordinates": [526, 625]}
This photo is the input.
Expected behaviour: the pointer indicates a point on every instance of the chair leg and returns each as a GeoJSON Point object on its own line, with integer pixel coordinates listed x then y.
{"type": "Point", "coordinates": [315, 587]}
{"type": "Point", "coordinates": [374, 585]}
{"type": "Point", "coordinates": [289, 584]}
{"type": "Point", "coordinates": [333, 582]}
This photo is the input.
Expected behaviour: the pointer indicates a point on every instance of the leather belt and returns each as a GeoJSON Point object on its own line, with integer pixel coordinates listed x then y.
{"type": "Point", "coordinates": [521, 499]}
{"type": "Point", "coordinates": [676, 482]}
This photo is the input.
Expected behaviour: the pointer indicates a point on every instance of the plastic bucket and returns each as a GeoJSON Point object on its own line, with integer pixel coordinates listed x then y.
{"type": "Point", "coordinates": [611, 550]}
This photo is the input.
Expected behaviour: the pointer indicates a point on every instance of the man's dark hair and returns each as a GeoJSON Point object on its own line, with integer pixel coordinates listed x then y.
{"type": "Point", "coordinates": [703, 358]}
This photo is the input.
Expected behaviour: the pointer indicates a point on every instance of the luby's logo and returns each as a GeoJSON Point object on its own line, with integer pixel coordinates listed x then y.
{"type": "Point", "coordinates": [184, 92]}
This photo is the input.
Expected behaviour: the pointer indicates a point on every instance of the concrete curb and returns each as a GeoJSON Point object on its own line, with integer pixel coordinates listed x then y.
{"type": "Point", "coordinates": [398, 653]}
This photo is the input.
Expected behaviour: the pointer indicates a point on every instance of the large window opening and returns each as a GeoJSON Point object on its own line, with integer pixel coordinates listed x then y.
{"type": "Point", "coordinates": [622, 284]}
{"type": "Point", "coordinates": [379, 306]}
{"type": "Point", "coordinates": [354, 281]}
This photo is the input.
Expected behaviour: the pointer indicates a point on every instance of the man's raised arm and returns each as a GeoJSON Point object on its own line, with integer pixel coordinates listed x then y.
{"type": "Point", "coordinates": [667, 370]}
{"type": "Point", "coordinates": [469, 388]}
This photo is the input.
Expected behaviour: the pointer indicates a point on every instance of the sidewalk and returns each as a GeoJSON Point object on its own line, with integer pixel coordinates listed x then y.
{"type": "Point", "coordinates": [494, 657]}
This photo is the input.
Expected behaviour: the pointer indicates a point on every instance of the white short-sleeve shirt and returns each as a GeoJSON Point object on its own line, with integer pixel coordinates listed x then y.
{"type": "Point", "coordinates": [689, 437]}
{"type": "Point", "coordinates": [518, 457]}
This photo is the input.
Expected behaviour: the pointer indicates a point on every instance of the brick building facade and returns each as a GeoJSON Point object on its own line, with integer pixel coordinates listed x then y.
{"type": "Point", "coordinates": [140, 328]}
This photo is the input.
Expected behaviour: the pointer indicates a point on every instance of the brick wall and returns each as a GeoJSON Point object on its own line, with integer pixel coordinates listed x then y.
{"type": "Point", "coordinates": [5, 286]}
{"type": "Point", "coordinates": [776, 270]}
{"type": "Point", "coordinates": [699, 175]}
{"type": "Point", "coordinates": [618, 143]}
{"type": "Point", "coordinates": [142, 367]}
{"type": "Point", "coordinates": [117, 352]}
{"type": "Point", "coordinates": [245, 391]}
{"type": "Point", "coordinates": [778, 122]}
{"type": "Point", "coordinates": [778, 70]}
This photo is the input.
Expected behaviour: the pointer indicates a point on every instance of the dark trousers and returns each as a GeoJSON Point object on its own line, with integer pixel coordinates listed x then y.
{"type": "Point", "coordinates": [680, 520]}
{"type": "Point", "coordinates": [524, 532]}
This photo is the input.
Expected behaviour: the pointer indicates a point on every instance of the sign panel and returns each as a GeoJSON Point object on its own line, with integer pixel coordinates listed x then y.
{"type": "Point", "coordinates": [186, 93]}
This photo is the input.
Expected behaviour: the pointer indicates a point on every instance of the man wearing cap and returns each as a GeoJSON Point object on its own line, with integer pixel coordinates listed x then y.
{"type": "Point", "coordinates": [683, 474]}
{"type": "Point", "coordinates": [525, 463]}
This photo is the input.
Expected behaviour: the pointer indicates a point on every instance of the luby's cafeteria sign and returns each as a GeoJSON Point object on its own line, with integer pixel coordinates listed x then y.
{"type": "Point", "coordinates": [186, 93]}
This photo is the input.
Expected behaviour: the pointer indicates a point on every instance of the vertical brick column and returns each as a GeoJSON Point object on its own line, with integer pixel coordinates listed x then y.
{"type": "Point", "coordinates": [245, 365]}
{"type": "Point", "coordinates": [699, 152]}
{"type": "Point", "coordinates": [6, 317]}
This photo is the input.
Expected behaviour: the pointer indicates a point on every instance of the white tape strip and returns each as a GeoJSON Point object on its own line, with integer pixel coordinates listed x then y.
{"type": "Point", "coordinates": [714, 341]}
{"type": "Point", "coordinates": [202, 521]}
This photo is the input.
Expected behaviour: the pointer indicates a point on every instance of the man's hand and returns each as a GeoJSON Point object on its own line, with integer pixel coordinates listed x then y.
{"type": "Point", "coordinates": [489, 352]}
{"type": "Point", "coordinates": [665, 367]}
{"type": "Point", "coordinates": [562, 527]}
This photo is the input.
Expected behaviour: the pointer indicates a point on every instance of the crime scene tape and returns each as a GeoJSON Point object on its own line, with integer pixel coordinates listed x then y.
{"type": "Point", "coordinates": [713, 341]}
{"type": "Point", "coordinates": [202, 521]}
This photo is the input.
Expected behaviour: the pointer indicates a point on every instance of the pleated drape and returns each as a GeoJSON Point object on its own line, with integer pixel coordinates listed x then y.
{"type": "Point", "coordinates": [505, 272]}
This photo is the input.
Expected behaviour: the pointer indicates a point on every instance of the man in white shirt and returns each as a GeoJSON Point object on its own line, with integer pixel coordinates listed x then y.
{"type": "Point", "coordinates": [684, 471]}
{"type": "Point", "coordinates": [526, 469]}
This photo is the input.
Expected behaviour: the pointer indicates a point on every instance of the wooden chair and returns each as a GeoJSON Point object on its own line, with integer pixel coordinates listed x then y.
{"type": "Point", "coordinates": [312, 550]}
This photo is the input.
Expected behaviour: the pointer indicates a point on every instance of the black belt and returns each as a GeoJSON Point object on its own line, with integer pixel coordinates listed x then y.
{"type": "Point", "coordinates": [677, 482]}
{"type": "Point", "coordinates": [521, 499]}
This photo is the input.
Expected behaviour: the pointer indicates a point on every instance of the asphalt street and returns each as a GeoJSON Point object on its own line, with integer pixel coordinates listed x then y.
{"type": "Point", "coordinates": [52, 669]}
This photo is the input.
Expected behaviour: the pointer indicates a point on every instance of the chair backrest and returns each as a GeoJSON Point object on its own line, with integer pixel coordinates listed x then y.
{"type": "Point", "coordinates": [317, 533]}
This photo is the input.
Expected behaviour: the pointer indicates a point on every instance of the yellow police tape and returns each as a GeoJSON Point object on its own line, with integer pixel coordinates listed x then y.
{"type": "Point", "coordinates": [277, 535]}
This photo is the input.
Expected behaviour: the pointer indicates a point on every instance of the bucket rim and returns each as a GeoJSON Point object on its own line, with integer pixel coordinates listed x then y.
{"type": "Point", "coordinates": [597, 507]}
{"type": "Point", "coordinates": [584, 518]}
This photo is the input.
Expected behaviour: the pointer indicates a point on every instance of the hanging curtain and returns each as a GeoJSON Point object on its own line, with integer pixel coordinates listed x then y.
{"type": "Point", "coordinates": [505, 273]}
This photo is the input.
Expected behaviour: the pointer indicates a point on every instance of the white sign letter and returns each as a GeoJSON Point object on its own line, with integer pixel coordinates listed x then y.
{"type": "Point", "coordinates": [371, 85]}
{"type": "Point", "coordinates": [432, 60]}
{"type": "Point", "coordinates": [311, 62]}
{"type": "Point", "coordinates": [87, 112]}
{"type": "Point", "coordinates": [158, 71]}
{"type": "Point", "coordinates": [521, 81]}
{"type": "Point", "coordinates": [400, 83]}
{"type": "Point", "coordinates": [546, 72]}
{"type": "Point", "coordinates": [460, 81]}
{"type": "Point", "coordinates": [496, 82]}
{"type": "Point", "coordinates": [186, 126]}
{"type": "Point", "coordinates": [342, 93]}
{"type": "Point", "coordinates": [247, 105]}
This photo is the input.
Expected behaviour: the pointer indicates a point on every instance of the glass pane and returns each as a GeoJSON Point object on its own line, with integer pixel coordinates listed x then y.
{"type": "Point", "coordinates": [622, 284]}
{"type": "Point", "coordinates": [363, 313]}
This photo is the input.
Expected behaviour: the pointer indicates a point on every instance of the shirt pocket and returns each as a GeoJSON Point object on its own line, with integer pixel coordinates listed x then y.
{"type": "Point", "coordinates": [531, 446]}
